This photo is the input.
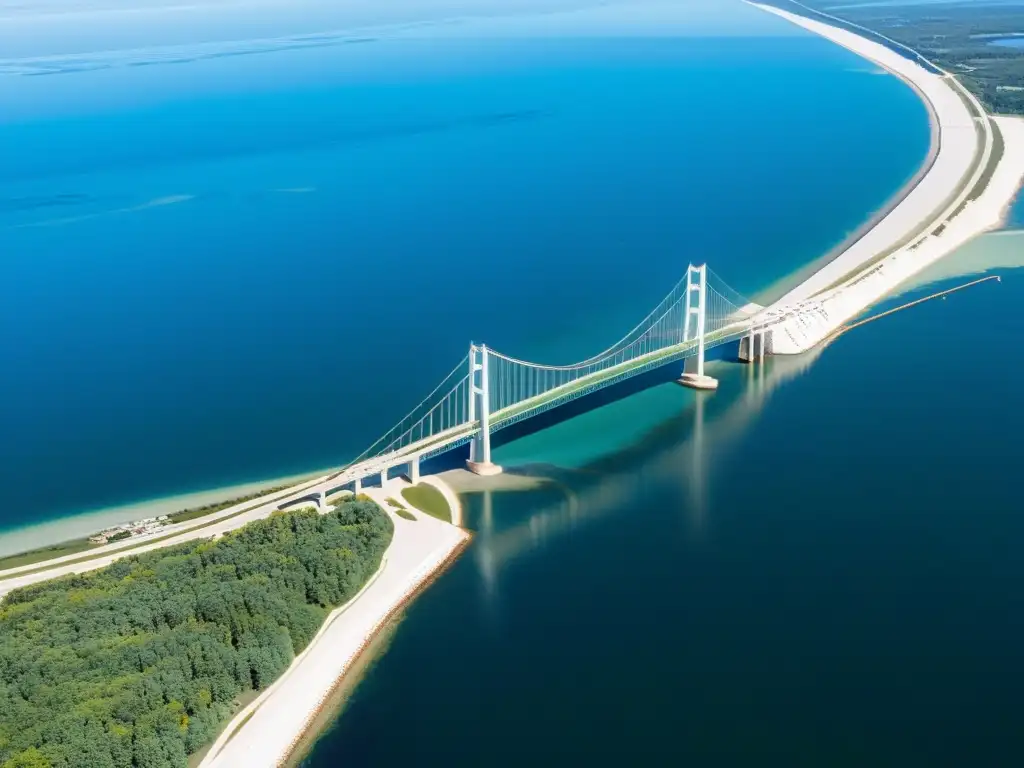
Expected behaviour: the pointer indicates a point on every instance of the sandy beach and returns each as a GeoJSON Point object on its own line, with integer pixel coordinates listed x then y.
{"type": "Point", "coordinates": [266, 732]}
{"type": "Point", "coordinates": [75, 526]}
{"type": "Point", "coordinates": [278, 719]}
{"type": "Point", "coordinates": [965, 192]}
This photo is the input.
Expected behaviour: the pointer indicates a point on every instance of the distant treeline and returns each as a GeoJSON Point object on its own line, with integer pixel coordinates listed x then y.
{"type": "Point", "coordinates": [955, 36]}
{"type": "Point", "coordinates": [139, 664]}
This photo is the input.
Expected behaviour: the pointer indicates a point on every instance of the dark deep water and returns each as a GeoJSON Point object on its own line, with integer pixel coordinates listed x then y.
{"type": "Point", "coordinates": [836, 581]}
{"type": "Point", "coordinates": [816, 567]}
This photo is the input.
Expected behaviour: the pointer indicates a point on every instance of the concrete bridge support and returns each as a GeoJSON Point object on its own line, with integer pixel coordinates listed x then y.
{"type": "Point", "coordinates": [755, 345]}
{"type": "Point", "coordinates": [696, 282]}
{"type": "Point", "coordinates": [414, 470]}
{"type": "Point", "coordinates": [357, 487]}
{"type": "Point", "coordinates": [480, 408]}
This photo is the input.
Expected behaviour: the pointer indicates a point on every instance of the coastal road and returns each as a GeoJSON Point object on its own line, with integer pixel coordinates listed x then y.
{"type": "Point", "coordinates": [938, 201]}
{"type": "Point", "coordinates": [203, 528]}
{"type": "Point", "coordinates": [963, 193]}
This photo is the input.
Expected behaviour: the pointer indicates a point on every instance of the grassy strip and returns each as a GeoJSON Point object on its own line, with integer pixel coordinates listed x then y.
{"type": "Point", "coordinates": [72, 547]}
{"type": "Point", "coordinates": [997, 151]}
{"type": "Point", "coordinates": [430, 500]}
{"type": "Point", "coordinates": [208, 509]}
{"type": "Point", "coordinates": [127, 550]}
{"type": "Point", "coordinates": [405, 514]}
{"type": "Point", "coordinates": [998, 148]}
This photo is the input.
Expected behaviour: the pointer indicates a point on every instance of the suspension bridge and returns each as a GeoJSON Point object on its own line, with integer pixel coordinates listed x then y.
{"type": "Point", "coordinates": [488, 390]}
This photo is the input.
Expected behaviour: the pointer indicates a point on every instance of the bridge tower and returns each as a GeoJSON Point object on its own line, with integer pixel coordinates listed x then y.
{"type": "Point", "coordinates": [696, 307]}
{"type": "Point", "coordinates": [480, 408]}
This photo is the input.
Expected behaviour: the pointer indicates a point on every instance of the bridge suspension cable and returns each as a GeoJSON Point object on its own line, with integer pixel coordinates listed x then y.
{"type": "Point", "coordinates": [517, 389]}
{"type": "Point", "coordinates": [519, 386]}
{"type": "Point", "coordinates": [444, 408]}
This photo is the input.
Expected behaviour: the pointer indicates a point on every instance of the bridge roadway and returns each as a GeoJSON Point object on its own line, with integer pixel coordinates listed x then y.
{"type": "Point", "coordinates": [452, 438]}
{"type": "Point", "coordinates": [689, 463]}
{"type": "Point", "coordinates": [317, 490]}
{"type": "Point", "coordinates": [799, 322]}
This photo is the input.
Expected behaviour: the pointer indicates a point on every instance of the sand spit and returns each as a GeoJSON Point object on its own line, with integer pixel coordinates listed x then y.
{"type": "Point", "coordinates": [966, 191]}
{"type": "Point", "coordinates": [266, 732]}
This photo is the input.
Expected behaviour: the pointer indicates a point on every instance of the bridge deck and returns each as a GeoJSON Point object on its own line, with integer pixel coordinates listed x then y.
{"type": "Point", "coordinates": [434, 445]}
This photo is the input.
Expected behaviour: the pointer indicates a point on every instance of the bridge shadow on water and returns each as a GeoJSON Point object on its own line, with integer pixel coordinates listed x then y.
{"type": "Point", "coordinates": [684, 453]}
{"type": "Point", "coordinates": [456, 458]}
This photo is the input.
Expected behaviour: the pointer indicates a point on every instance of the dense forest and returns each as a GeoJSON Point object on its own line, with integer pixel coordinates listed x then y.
{"type": "Point", "coordinates": [965, 38]}
{"type": "Point", "coordinates": [138, 664]}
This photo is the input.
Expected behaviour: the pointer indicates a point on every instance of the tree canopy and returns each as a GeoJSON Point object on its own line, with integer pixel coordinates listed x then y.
{"type": "Point", "coordinates": [139, 663]}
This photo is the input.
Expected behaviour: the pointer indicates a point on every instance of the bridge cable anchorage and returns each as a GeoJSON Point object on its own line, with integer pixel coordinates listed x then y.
{"type": "Point", "coordinates": [488, 386]}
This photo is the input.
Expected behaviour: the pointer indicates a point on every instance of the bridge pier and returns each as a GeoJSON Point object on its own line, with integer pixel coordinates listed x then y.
{"type": "Point", "coordinates": [480, 408]}
{"type": "Point", "coordinates": [321, 502]}
{"type": "Point", "coordinates": [383, 478]}
{"type": "Point", "coordinates": [414, 470]}
{"type": "Point", "coordinates": [754, 346]}
{"type": "Point", "coordinates": [696, 379]}
{"type": "Point", "coordinates": [357, 487]}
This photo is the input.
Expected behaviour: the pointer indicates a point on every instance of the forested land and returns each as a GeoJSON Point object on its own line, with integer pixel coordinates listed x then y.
{"type": "Point", "coordinates": [956, 36]}
{"type": "Point", "coordinates": [140, 664]}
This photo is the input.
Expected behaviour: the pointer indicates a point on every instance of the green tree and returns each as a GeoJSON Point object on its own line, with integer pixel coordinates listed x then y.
{"type": "Point", "coordinates": [138, 664]}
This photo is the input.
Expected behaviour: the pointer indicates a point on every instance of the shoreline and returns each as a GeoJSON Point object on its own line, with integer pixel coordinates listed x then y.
{"type": "Point", "coordinates": [784, 285]}
{"type": "Point", "coordinates": [966, 192]}
{"type": "Point", "coordinates": [68, 527]}
{"type": "Point", "coordinates": [59, 530]}
{"type": "Point", "coordinates": [345, 684]}
{"type": "Point", "coordinates": [271, 729]}
{"type": "Point", "coordinates": [959, 143]}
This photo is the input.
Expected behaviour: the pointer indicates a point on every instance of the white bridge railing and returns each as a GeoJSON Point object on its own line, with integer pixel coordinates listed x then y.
{"type": "Point", "coordinates": [488, 390]}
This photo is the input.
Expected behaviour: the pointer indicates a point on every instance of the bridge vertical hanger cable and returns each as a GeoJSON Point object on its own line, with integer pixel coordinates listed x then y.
{"type": "Point", "coordinates": [520, 388]}
{"type": "Point", "coordinates": [415, 416]}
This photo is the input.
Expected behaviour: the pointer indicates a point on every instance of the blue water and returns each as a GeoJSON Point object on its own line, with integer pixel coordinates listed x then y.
{"type": "Point", "coordinates": [250, 261]}
{"type": "Point", "coordinates": [1008, 42]}
{"type": "Point", "coordinates": [240, 266]}
{"type": "Point", "coordinates": [818, 565]}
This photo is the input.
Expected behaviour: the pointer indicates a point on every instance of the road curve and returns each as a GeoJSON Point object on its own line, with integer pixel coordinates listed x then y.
{"type": "Point", "coordinates": [964, 193]}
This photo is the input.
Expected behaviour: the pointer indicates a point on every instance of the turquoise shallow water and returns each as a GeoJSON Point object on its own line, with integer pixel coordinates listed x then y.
{"type": "Point", "coordinates": [240, 266]}
{"type": "Point", "coordinates": [818, 565]}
